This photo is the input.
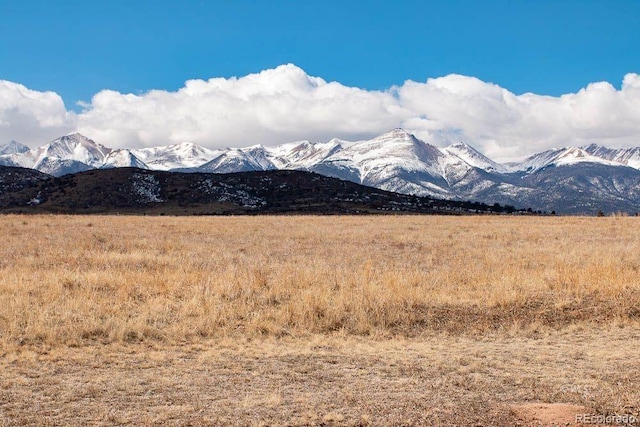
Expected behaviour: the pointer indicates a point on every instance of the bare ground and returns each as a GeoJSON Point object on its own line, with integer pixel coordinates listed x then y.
{"type": "Point", "coordinates": [543, 379]}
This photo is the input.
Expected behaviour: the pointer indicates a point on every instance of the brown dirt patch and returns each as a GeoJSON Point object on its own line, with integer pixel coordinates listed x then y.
{"type": "Point", "coordinates": [549, 414]}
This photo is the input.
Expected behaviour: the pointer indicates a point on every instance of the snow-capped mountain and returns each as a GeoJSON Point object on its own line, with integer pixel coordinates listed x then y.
{"type": "Point", "coordinates": [395, 161]}
{"type": "Point", "coordinates": [74, 147]}
{"type": "Point", "coordinates": [560, 157]}
{"type": "Point", "coordinates": [23, 160]}
{"type": "Point", "coordinates": [626, 156]}
{"type": "Point", "coordinates": [123, 159]}
{"type": "Point", "coordinates": [302, 154]}
{"type": "Point", "coordinates": [570, 179]}
{"type": "Point", "coordinates": [13, 147]}
{"type": "Point", "coordinates": [583, 187]}
{"type": "Point", "coordinates": [239, 160]}
{"type": "Point", "coordinates": [59, 167]}
{"type": "Point", "coordinates": [67, 154]}
{"type": "Point", "coordinates": [473, 157]}
{"type": "Point", "coordinates": [16, 154]}
{"type": "Point", "coordinates": [175, 156]}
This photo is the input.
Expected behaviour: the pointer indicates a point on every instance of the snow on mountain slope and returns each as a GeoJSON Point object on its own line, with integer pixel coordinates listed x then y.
{"type": "Point", "coordinates": [70, 154]}
{"type": "Point", "coordinates": [571, 156]}
{"type": "Point", "coordinates": [259, 155]}
{"type": "Point", "coordinates": [16, 154]}
{"type": "Point", "coordinates": [377, 159]}
{"type": "Point", "coordinates": [239, 160]}
{"type": "Point", "coordinates": [175, 156]}
{"type": "Point", "coordinates": [58, 167]}
{"type": "Point", "coordinates": [535, 161]}
{"type": "Point", "coordinates": [74, 147]}
{"type": "Point", "coordinates": [279, 154]}
{"type": "Point", "coordinates": [24, 160]}
{"type": "Point", "coordinates": [473, 157]}
{"type": "Point", "coordinates": [558, 157]}
{"type": "Point", "coordinates": [13, 147]}
{"type": "Point", "coordinates": [302, 154]}
{"type": "Point", "coordinates": [624, 156]}
{"type": "Point", "coordinates": [394, 161]}
{"type": "Point", "coordinates": [123, 158]}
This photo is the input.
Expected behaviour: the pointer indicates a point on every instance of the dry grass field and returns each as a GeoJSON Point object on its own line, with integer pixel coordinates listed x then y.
{"type": "Point", "coordinates": [373, 320]}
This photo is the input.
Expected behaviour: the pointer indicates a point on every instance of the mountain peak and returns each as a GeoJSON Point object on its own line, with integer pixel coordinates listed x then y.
{"type": "Point", "coordinates": [76, 139]}
{"type": "Point", "coordinates": [395, 137]}
{"type": "Point", "coordinates": [74, 147]}
{"type": "Point", "coordinates": [462, 144]}
{"type": "Point", "coordinates": [175, 156]}
{"type": "Point", "coordinates": [397, 133]}
{"type": "Point", "coordinates": [463, 147]}
{"type": "Point", "coordinates": [626, 156]}
{"type": "Point", "coordinates": [563, 157]}
{"type": "Point", "coordinates": [73, 136]}
{"type": "Point", "coordinates": [13, 147]}
{"type": "Point", "coordinates": [185, 144]}
{"type": "Point", "coordinates": [473, 157]}
{"type": "Point", "coordinates": [123, 158]}
{"type": "Point", "coordinates": [573, 153]}
{"type": "Point", "coordinates": [186, 147]}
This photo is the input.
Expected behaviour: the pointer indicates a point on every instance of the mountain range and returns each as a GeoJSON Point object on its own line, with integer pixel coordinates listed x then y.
{"type": "Point", "coordinates": [568, 180]}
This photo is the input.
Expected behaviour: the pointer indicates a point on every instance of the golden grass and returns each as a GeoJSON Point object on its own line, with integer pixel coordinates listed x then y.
{"type": "Point", "coordinates": [406, 320]}
{"type": "Point", "coordinates": [73, 280]}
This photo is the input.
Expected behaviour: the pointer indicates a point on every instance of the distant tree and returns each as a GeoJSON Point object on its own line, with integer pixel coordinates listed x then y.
{"type": "Point", "coordinates": [600, 213]}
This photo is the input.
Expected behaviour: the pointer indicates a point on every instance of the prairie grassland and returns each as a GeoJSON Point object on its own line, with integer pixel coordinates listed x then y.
{"type": "Point", "coordinates": [326, 381]}
{"type": "Point", "coordinates": [70, 280]}
{"type": "Point", "coordinates": [316, 320]}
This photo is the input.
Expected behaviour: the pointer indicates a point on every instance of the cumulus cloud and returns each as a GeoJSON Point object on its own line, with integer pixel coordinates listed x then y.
{"type": "Point", "coordinates": [271, 107]}
{"type": "Point", "coordinates": [31, 116]}
{"type": "Point", "coordinates": [286, 104]}
{"type": "Point", "coordinates": [506, 126]}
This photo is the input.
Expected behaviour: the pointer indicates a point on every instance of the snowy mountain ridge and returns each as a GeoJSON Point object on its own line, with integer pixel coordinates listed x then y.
{"type": "Point", "coordinates": [395, 148]}
{"type": "Point", "coordinates": [562, 157]}
{"type": "Point", "coordinates": [74, 147]}
{"type": "Point", "coordinates": [13, 147]}
{"type": "Point", "coordinates": [183, 155]}
{"type": "Point", "coordinates": [395, 161]}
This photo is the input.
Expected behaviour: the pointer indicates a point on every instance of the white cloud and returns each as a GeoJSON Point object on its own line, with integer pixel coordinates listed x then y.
{"type": "Point", "coordinates": [271, 107]}
{"type": "Point", "coordinates": [285, 104]}
{"type": "Point", "coordinates": [506, 126]}
{"type": "Point", "coordinates": [31, 117]}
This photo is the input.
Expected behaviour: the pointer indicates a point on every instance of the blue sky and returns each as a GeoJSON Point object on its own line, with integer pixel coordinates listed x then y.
{"type": "Point", "coordinates": [54, 54]}
{"type": "Point", "coordinates": [77, 48]}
